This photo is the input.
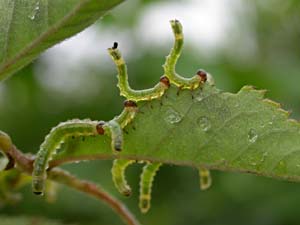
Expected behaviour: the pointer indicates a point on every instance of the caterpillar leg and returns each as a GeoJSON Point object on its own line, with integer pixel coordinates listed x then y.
{"type": "Point", "coordinates": [118, 174]}
{"type": "Point", "coordinates": [125, 90]}
{"type": "Point", "coordinates": [172, 58]}
{"type": "Point", "coordinates": [147, 177]}
{"type": "Point", "coordinates": [205, 178]}
{"type": "Point", "coordinates": [52, 142]}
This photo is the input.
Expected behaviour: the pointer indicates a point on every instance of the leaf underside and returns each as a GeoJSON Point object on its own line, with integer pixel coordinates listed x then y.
{"type": "Point", "coordinates": [28, 27]}
{"type": "Point", "coordinates": [204, 128]}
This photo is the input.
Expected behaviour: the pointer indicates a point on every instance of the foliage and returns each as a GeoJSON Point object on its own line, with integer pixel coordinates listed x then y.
{"type": "Point", "coordinates": [265, 74]}
{"type": "Point", "coordinates": [42, 24]}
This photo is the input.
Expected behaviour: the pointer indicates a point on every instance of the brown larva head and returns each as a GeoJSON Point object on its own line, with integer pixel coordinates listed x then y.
{"type": "Point", "coordinates": [203, 75]}
{"type": "Point", "coordinates": [130, 103]}
{"type": "Point", "coordinates": [165, 81]}
{"type": "Point", "coordinates": [99, 128]}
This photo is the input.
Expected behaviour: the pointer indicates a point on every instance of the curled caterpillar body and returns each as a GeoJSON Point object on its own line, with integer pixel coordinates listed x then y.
{"type": "Point", "coordinates": [116, 133]}
{"type": "Point", "coordinates": [147, 177]}
{"type": "Point", "coordinates": [118, 174]}
{"type": "Point", "coordinates": [52, 142]}
{"type": "Point", "coordinates": [127, 114]}
{"type": "Point", "coordinates": [125, 89]}
{"type": "Point", "coordinates": [171, 61]}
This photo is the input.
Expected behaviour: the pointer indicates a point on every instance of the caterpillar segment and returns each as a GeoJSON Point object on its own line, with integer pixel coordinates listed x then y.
{"type": "Point", "coordinates": [118, 175]}
{"type": "Point", "coordinates": [171, 60]}
{"type": "Point", "coordinates": [76, 127]}
{"type": "Point", "coordinates": [128, 114]}
{"type": "Point", "coordinates": [125, 90]}
{"type": "Point", "coordinates": [120, 165]}
{"type": "Point", "coordinates": [52, 142]}
{"type": "Point", "coordinates": [114, 130]}
{"type": "Point", "coordinates": [205, 178]}
{"type": "Point", "coordinates": [146, 182]}
{"type": "Point", "coordinates": [114, 126]}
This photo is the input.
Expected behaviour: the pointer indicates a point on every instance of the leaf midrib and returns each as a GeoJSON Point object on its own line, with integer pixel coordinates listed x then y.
{"type": "Point", "coordinates": [8, 30]}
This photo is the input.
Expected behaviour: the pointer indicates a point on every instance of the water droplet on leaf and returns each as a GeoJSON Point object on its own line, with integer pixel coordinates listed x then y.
{"type": "Point", "coordinates": [199, 97]}
{"type": "Point", "coordinates": [35, 11]}
{"type": "Point", "coordinates": [204, 123]}
{"type": "Point", "coordinates": [281, 167]}
{"type": "Point", "coordinates": [252, 136]}
{"type": "Point", "coordinates": [264, 156]}
{"type": "Point", "coordinates": [172, 116]}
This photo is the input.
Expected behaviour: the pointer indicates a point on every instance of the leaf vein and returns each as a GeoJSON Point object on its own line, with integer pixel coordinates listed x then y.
{"type": "Point", "coordinates": [9, 30]}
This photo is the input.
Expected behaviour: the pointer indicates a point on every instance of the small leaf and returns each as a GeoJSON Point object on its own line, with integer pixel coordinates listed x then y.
{"type": "Point", "coordinates": [10, 182]}
{"type": "Point", "coordinates": [29, 27]}
{"type": "Point", "coordinates": [3, 161]}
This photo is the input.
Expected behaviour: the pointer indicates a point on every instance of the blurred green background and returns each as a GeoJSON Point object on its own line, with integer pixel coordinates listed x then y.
{"type": "Point", "coordinates": [239, 42]}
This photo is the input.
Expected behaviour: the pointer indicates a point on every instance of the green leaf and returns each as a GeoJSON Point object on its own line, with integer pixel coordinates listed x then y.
{"type": "Point", "coordinates": [205, 128]}
{"type": "Point", "coordinates": [28, 27]}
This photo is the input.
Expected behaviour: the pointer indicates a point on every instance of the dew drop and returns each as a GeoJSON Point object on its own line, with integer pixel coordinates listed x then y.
{"type": "Point", "coordinates": [264, 156]}
{"type": "Point", "coordinates": [35, 11]}
{"type": "Point", "coordinates": [281, 167]}
{"type": "Point", "coordinates": [172, 116]}
{"type": "Point", "coordinates": [204, 123]}
{"type": "Point", "coordinates": [272, 121]}
{"type": "Point", "coordinates": [252, 136]}
{"type": "Point", "coordinates": [199, 97]}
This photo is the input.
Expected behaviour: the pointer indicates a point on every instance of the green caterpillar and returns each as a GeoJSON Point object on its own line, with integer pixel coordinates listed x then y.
{"type": "Point", "coordinates": [114, 128]}
{"type": "Point", "coordinates": [147, 177]}
{"type": "Point", "coordinates": [118, 174]}
{"type": "Point", "coordinates": [78, 128]}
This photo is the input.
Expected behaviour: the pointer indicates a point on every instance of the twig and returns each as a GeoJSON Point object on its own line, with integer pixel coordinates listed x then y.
{"type": "Point", "coordinates": [25, 164]}
{"type": "Point", "coordinates": [92, 189]}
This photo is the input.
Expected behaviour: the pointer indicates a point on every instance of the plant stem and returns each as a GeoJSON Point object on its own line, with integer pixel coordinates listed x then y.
{"type": "Point", "coordinates": [94, 190]}
{"type": "Point", "coordinates": [25, 164]}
